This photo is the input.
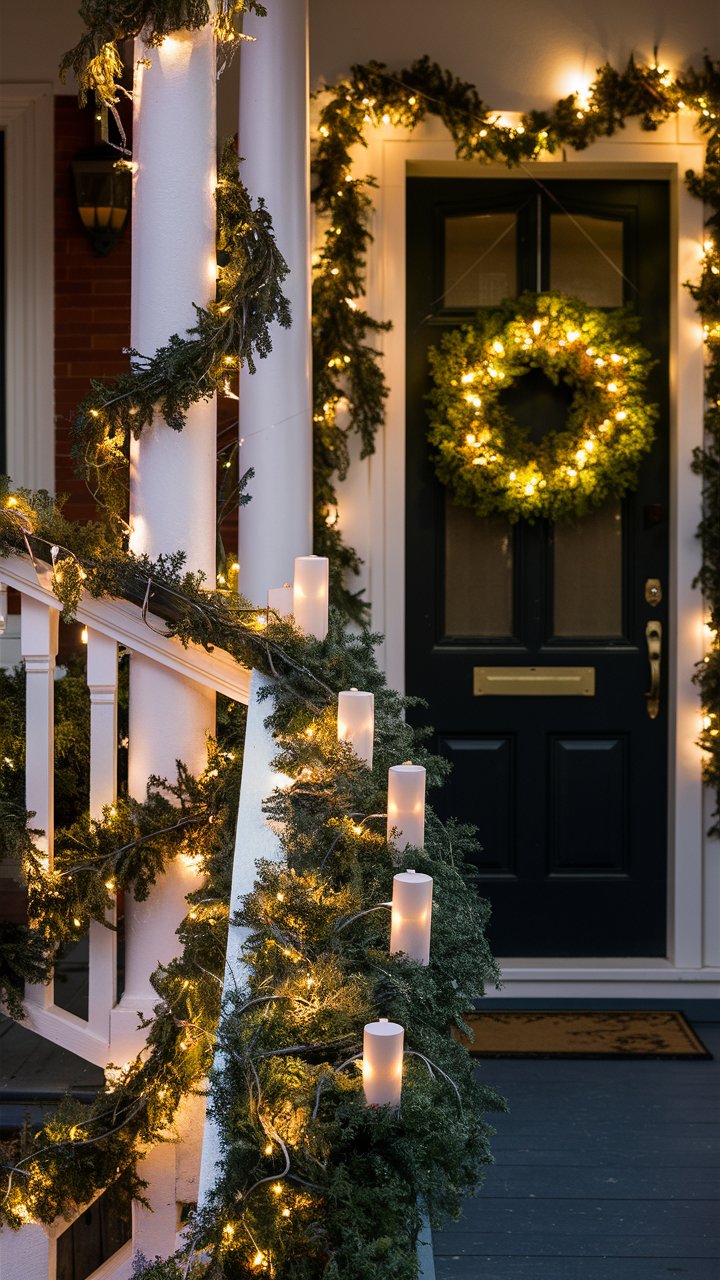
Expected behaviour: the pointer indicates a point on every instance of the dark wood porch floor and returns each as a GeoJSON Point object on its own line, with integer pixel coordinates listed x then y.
{"type": "Point", "coordinates": [604, 1171]}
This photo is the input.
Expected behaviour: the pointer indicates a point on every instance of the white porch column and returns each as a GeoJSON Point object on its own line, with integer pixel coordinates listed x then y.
{"type": "Point", "coordinates": [275, 402]}
{"type": "Point", "coordinates": [172, 476]}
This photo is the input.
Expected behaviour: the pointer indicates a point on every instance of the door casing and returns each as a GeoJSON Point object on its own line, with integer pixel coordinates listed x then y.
{"type": "Point", "coordinates": [373, 517]}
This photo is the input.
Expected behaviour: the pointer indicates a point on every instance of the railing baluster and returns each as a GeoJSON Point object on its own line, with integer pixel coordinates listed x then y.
{"type": "Point", "coordinates": [39, 641]}
{"type": "Point", "coordinates": [102, 683]}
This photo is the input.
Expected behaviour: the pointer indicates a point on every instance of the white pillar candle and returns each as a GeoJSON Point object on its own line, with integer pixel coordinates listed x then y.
{"type": "Point", "coordinates": [356, 722]}
{"type": "Point", "coordinates": [280, 600]}
{"type": "Point", "coordinates": [310, 595]}
{"type": "Point", "coordinates": [383, 1045]}
{"type": "Point", "coordinates": [406, 804]}
{"type": "Point", "coordinates": [411, 915]}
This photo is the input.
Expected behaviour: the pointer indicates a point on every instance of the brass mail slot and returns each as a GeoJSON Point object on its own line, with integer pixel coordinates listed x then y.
{"type": "Point", "coordinates": [534, 682]}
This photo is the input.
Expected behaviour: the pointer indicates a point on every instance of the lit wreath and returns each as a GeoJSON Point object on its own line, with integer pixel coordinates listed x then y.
{"type": "Point", "coordinates": [488, 460]}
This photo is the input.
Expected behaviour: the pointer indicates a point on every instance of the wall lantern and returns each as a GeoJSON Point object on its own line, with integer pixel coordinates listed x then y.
{"type": "Point", "coordinates": [103, 189]}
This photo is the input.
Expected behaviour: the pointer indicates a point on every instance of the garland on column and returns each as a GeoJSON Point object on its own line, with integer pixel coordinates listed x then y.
{"type": "Point", "coordinates": [228, 333]}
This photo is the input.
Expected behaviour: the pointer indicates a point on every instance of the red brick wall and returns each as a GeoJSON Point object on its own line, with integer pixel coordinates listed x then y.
{"type": "Point", "coordinates": [92, 302]}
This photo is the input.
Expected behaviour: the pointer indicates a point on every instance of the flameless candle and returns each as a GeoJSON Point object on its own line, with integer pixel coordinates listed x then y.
{"type": "Point", "coordinates": [383, 1045]}
{"type": "Point", "coordinates": [280, 600]}
{"type": "Point", "coordinates": [406, 804]}
{"type": "Point", "coordinates": [356, 722]}
{"type": "Point", "coordinates": [310, 595]}
{"type": "Point", "coordinates": [411, 915]}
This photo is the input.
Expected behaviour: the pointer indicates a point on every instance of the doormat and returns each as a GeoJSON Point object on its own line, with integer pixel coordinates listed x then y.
{"type": "Point", "coordinates": [578, 1033]}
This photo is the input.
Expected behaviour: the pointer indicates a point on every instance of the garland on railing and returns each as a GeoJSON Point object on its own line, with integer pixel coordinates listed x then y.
{"type": "Point", "coordinates": [345, 401]}
{"type": "Point", "coordinates": [96, 59]}
{"type": "Point", "coordinates": [308, 1170]}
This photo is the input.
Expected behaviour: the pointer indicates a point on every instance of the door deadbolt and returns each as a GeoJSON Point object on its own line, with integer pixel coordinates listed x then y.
{"type": "Point", "coordinates": [653, 591]}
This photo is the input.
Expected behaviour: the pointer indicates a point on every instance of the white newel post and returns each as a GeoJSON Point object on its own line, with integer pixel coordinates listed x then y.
{"type": "Point", "coordinates": [102, 676]}
{"type": "Point", "coordinates": [39, 645]}
{"type": "Point", "coordinates": [172, 475]}
{"type": "Point", "coordinates": [276, 401]}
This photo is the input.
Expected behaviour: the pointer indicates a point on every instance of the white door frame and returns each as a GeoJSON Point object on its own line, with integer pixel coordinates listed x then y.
{"type": "Point", "coordinates": [372, 513]}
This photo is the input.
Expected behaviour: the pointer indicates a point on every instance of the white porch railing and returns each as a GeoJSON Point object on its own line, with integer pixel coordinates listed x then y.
{"type": "Point", "coordinates": [110, 1033]}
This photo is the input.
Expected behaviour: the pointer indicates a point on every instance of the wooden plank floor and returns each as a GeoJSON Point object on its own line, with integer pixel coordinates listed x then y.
{"type": "Point", "coordinates": [603, 1171]}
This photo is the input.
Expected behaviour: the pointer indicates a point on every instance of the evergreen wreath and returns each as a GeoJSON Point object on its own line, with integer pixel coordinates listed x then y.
{"type": "Point", "coordinates": [488, 460]}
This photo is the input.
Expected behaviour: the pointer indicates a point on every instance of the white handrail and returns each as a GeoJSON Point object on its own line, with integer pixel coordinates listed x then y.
{"type": "Point", "coordinates": [109, 1027]}
{"type": "Point", "coordinates": [123, 622]}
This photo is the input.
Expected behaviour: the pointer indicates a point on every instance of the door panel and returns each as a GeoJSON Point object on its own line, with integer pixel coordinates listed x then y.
{"type": "Point", "coordinates": [587, 809]}
{"type": "Point", "coordinates": [568, 793]}
{"type": "Point", "coordinates": [484, 768]}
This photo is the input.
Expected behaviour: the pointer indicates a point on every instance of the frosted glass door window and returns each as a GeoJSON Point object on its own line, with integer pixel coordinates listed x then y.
{"type": "Point", "coordinates": [480, 260]}
{"type": "Point", "coordinates": [587, 575]}
{"type": "Point", "coordinates": [478, 574]}
{"type": "Point", "coordinates": [586, 258]}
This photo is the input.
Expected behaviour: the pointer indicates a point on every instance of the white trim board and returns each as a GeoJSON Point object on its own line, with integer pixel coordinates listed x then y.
{"type": "Point", "coordinates": [26, 118]}
{"type": "Point", "coordinates": [372, 512]}
{"type": "Point", "coordinates": [587, 979]}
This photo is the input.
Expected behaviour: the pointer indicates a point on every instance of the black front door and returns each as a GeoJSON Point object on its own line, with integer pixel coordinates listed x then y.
{"type": "Point", "coordinates": [569, 793]}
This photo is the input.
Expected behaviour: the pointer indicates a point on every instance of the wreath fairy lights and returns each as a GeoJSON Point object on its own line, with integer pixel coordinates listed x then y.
{"type": "Point", "coordinates": [488, 460]}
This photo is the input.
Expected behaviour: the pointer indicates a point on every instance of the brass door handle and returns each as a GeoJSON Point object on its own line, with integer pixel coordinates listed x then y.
{"type": "Point", "coordinates": [653, 635]}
